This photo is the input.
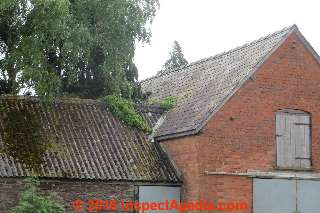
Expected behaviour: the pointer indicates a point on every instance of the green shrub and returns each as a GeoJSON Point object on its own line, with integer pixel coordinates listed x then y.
{"type": "Point", "coordinates": [168, 103]}
{"type": "Point", "coordinates": [31, 202]}
{"type": "Point", "coordinates": [124, 110]}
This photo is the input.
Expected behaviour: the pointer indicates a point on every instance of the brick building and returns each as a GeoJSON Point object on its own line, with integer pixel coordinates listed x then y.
{"type": "Point", "coordinates": [245, 129]}
{"type": "Point", "coordinates": [247, 124]}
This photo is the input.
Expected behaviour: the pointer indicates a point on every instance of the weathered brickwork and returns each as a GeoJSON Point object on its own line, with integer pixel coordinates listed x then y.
{"type": "Point", "coordinates": [67, 191]}
{"type": "Point", "coordinates": [185, 155]}
{"type": "Point", "coordinates": [241, 136]}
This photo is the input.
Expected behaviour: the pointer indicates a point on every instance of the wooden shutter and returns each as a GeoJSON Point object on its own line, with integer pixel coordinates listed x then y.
{"type": "Point", "coordinates": [301, 137]}
{"type": "Point", "coordinates": [285, 149]}
{"type": "Point", "coordinates": [293, 139]}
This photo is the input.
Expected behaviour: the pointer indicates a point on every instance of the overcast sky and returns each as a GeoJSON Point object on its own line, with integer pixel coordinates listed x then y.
{"type": "Point", "coordinates": [207, 27]}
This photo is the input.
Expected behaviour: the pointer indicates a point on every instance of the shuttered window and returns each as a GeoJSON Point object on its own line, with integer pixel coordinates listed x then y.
{"type": "Point", "coordinates": [293, 139]}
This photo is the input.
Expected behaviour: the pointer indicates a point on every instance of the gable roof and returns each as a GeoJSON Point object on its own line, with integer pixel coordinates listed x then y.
{"type": "Point", "coordinates": [202, 87]}
{"type": "Point", "coordinates": [95, 145]}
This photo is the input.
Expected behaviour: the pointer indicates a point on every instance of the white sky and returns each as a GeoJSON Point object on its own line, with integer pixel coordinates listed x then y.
{"type": "Point", "coordinates": [207, 27]}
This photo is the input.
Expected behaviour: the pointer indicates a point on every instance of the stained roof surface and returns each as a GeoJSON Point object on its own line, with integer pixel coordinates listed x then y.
{"type": "Point", "coordinates": [95, 145]}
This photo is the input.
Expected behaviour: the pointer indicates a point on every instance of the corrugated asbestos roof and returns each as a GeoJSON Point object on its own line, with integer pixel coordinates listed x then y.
{"type": "Point", "coordinates": [201, 88]}
{"type": "Point", "coordinates": [95, 145]}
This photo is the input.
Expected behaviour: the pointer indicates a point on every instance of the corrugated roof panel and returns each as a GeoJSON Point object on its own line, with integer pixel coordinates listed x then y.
{"type": "Point", "coordinates": [94, 144]}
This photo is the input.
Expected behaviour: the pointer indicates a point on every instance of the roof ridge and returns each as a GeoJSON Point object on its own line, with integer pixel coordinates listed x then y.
{"type": "Point", "coordinates": [57, 100]}
{"type": "Point", "coordinates": [143, 107]}
{"type": "Point", "coordinates": [289, 29]}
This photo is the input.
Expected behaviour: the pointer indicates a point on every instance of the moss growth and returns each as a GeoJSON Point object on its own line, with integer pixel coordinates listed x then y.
{"type": "Point", "coordinates": [23, 140]}
{"type": "Point", "coordinates": [124, 110]}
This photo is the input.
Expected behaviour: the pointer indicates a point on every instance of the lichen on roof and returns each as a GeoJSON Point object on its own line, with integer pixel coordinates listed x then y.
{"type": "Point", "coordinates": [203, 86]}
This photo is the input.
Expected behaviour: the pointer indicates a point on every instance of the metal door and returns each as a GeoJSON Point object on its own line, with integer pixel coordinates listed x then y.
{"type": "Point", "coordinates": [274, 196]}
{"type": "Point", "coordinates": [157, 194]}
{"type": "Point", "coordinates": [308, 196]}
{"type": "Point", "coordinates": [286, 196]}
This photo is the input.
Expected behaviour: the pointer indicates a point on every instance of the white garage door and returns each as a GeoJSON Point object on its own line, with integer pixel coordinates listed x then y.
{"type": "Point", "coordinates": [158, 194]}
{"type": "Point", "coordinates": [308, 196]}
{"type": "Point", "coordinates": [286, 196]}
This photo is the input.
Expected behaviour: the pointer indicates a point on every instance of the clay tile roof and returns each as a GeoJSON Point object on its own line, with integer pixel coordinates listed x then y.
{"type": "Point", "coordinates": [202, 87]}
{"type": "Point", "coordinates": [95, 145]}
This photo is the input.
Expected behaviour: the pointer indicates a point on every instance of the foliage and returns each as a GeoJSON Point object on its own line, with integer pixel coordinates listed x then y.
{"type": "Point", "coordinates": [176, 59]}
{"type": "Point", "coordinates": [23, 140]}
{"type": "Point", "coordinates": [31, 202]}
{"type": "Point", "coordinates": [31, 35]}
{"type": "Point", "coordinates": [111, 29]}
{"type": "Point", "coordinates": [83, 47]}
{"type": "Point", "coordinates": [124, 110]}
{"type": "Point", "coordinates": [167, 103]}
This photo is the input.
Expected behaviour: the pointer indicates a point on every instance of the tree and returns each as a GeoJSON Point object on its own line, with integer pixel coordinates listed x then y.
{"type": "Point", "coordinates": [176, 59]}
{"type": "Point", "coordinates": [31, 35]}
{"type": "Point", "coordinates": [82, 47]}
{"type": "Point", "coordinates": [112, 28]}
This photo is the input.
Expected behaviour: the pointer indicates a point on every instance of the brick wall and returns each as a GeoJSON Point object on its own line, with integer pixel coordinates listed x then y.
{"type": "Point", "coordinates": [185, 154]}
{"type": "Point", "coordinates": [241, 135]}
{"type": "Point", "coordinates": [67, 191]}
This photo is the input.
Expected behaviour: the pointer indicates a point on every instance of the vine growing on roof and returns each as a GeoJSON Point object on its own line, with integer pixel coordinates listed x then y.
{"type": "Point", "coordinates": [125, 111]}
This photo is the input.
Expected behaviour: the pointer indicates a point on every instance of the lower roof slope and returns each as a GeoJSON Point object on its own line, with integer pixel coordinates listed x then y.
{"type": "Point", "coordinates": [94, 144]}
{"type": "Point", "coordinates": [201, 88]}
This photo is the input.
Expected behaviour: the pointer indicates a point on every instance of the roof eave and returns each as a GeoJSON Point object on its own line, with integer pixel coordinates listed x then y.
{"type": "Point", "coordinates": [176, 135]}
{"type": "Point", "coordinates": [307, 44]}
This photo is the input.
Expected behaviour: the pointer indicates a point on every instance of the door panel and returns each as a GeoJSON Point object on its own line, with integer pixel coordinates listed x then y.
{"type": "Point", "coordinates": [285, 145]}
{"type": "Point", "coordinates": [158, 194]}
{"type": "Point", "coordinates": [282, 141]}
{"type": "Point", "coordinates": [284, 196]}
{"type": "Point", "coordinates": [274, 196]}
{"type": "Point", "coordinates": [301, 138]}
{"type": "Point", "coordinates": [308, 196]}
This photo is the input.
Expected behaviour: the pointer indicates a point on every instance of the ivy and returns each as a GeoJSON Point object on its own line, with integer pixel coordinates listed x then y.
{"type": "Point", "coordinates": [125, 111]}
{"type": "Point", "coordinates": [31, 201]}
